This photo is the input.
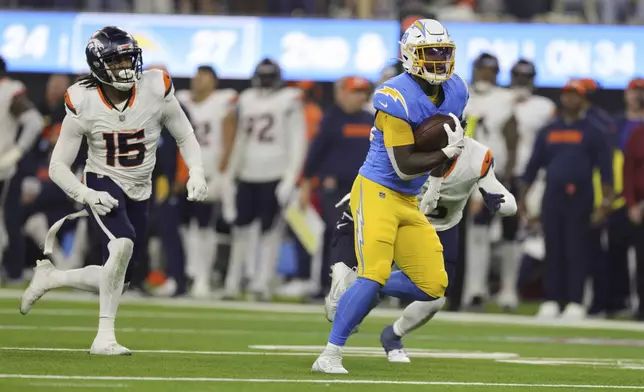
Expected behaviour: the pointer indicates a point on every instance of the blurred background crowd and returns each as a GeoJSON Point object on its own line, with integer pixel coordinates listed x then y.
{"type": "Point", "coordinates": [552, 11]}
{"type": "Point", "coordinates": [576, 247]}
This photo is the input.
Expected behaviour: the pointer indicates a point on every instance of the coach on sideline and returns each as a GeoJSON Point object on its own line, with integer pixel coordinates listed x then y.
{"type": "Point", "coordinates": [568, 148]}
{"type": "Point", "coordinates": [336, 153]}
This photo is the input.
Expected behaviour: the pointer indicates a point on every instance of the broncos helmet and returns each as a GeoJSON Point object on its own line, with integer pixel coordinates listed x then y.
{"type": "Point", "coordinates": [267, 74]}
{"type": "Point", "coordinates": [114, 57]}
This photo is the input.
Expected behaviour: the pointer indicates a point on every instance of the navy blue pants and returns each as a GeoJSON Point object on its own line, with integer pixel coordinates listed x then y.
{"type": "Point", "coordinates": [567, 233]}
{"type": "Point", "coordinates": [166, 219]}
{"type": "Point", "coordinates": [13, 260]}
{"type": "Point", "coordinates": [342, 248]}
{"type": "Point", "coordinates": [128, 220]}
{"type": "Point", "coordinates": [257, 200]}
{"type": "Point", "coordinates": [204, 213]}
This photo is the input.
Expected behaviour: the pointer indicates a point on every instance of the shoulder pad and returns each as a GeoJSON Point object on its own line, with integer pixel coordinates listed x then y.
{"type": "Point", "coordinates": [460, 80]}
{"type": "Point", "coordinates": [15, 87]}
{"type": "Point", "coordinates": [390, 100]}
{"type": "Point", "coordinates": [158, 81]}
{"type": "Point", "coordinates": [74, 99]}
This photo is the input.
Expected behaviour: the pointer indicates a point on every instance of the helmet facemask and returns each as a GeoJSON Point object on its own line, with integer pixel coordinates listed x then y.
{"type": "Point", "coordinates": [120, 70]}
{"type": "Point", "coordinates": [434, 62]}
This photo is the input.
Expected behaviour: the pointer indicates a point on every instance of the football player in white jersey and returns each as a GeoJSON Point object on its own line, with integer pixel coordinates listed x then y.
{"type": "Point", "coordinates": [489, 115]}
{"type": "Point", "coordinates": [442, 200]}
{"type": "Point", "coordinates": [269, 152]}
{"type": "Point", "coordinates": [212, 113]}
{"type": "Point", "coordinates": [120, 110]}
{"type": "Point", "coordinates": [16, 112]}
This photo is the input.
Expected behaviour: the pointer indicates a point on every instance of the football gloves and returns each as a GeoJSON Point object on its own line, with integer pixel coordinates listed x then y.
{"type": "Point", "coordinates": [492, 201]}
{"type": "Point", "coordinates": [197, 186]}
{"type": "Point", "coordinates": [100, 202]}
{"type": "Point", "coordinates": [455, 136]}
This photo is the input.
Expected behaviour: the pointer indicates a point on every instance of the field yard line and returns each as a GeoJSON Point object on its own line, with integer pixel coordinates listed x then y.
{"type": "Point", "coordinates": [460, 317]}
{"type": "Point", "coordinates": [315, 381]}
{"type": "Point", "coordinates": [72, 385]}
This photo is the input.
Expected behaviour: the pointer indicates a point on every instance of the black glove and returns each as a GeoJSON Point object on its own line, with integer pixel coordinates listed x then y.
{"type": "Point", "coordinates": [492, 201]}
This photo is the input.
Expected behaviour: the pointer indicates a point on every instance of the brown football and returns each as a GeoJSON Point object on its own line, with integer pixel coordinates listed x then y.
{"type": "Point", "coordinates": [430, 134]}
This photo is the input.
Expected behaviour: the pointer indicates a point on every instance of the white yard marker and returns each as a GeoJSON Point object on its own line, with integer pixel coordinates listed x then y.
{"type": "Point", "coordinates": [317, 381]}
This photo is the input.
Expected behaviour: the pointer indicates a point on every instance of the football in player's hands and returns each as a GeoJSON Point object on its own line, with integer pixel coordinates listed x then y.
{"type": "Point", "coordinates": [430, 135]}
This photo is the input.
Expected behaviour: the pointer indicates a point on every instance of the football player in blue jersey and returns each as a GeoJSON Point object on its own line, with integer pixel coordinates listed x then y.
{"type": "Point", "coordinates": [388, 223]}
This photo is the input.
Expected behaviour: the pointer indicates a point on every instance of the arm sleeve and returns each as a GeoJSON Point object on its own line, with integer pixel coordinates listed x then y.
{"type": "Point", "coordinates": [296, 124]}
{"type": "Point", "coordinates": [321, 141]}
{"type": "Point", "coordinates": [491, 184]}
{"type": "Point", "coordinates": [63, 156]}
{"type": "Point", "coordinates": [396, 131]}
{"type": "Point", "coordinates": [629, 170]}
{"type": "Point", "coordinates": [537, 159]}
{"type": "Point", "coordinates": [177, 123]}
{"type": "Point", "coordinates": [32, 123]}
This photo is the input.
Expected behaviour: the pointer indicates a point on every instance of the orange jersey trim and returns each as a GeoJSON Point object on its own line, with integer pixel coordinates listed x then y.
{"type": "Point", "coordinates": [487, 163]}
{"type": "Point", "coordinates": [105, 101]}
{"type": "Point", "coordinates": [451, 168]}
{"type": "Point", "coordinates": [570, 136]}
{"type": "Point", "coordinates": [167, 82]}
{"type": "Point", "coordinates": [132, 96]}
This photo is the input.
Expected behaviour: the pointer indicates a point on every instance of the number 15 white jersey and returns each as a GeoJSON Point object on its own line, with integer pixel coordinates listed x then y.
{"type": "Point", "coordinates": [267, 119]}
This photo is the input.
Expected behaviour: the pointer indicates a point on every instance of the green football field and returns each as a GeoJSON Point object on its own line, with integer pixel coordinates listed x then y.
{"type": "Point", "coordinates": [201, 346]}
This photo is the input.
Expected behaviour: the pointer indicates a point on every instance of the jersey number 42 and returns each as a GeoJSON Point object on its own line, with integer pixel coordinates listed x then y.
{"type": "Point", "coordinates": [126, 147]}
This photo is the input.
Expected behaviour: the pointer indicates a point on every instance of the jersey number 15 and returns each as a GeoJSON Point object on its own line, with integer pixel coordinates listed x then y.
{"type": "Point", "coordinates": [126, 147]}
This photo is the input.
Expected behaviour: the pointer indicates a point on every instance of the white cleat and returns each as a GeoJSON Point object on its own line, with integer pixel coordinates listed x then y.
{"type": "Point", "coordinates": [508, 300]}
{"type": "Point", "coordinates": [167, 289]}
{"type": "Point", "coordinates": [573, 312]}
{"type": "Point", "coordinates": [329, 363]}
{"type": "Point", "coordinates": [342, 277]}
{"type": "Point", "coordinates": [548, 310]}
{"type": "Point", "coordinates": [39, 285]}
{"type": "Point", "coordinates": [108, 347]}
{"type": "Point", "coordinates": [200, 289]}
{"type": "Point", "coordinates": [398, 356]}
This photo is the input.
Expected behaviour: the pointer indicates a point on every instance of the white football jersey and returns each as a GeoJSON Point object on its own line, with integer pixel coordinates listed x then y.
{"type": "Point", "coordinates": [207, 119]}
{"type": "Point", "coordinates": [532, 114]}
{"type": "Point", "coordinates": [490, 110]}
{"type": "Point", "coordinates": [9, 88]}
{"type": "Point", "coordinates": [122, 144]}
{"type": "Point", "coordinates": [458, 184]}
{"type": "Point", "coordinates": [264, 117]}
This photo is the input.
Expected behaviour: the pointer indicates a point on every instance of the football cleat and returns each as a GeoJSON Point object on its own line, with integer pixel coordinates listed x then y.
{"type": "Point", "coordinates": [342, 277]}
{"type": "Point", "coordinates": [573, 312]}
{"type": "Point", "coordinates": [108, 347]}
{"type": "Point", "coordinates": [330, 362]}
{"type": "Point", "coordinates": [508, 301]}
{"type": "Point", "coordinates": [39, 285]}
{"type": "Point", "coordinates": [548, 310]}
{"type": "Point", "coordinates": [392, 344]}
{"type": "Point", "coordinates": [200, 289]}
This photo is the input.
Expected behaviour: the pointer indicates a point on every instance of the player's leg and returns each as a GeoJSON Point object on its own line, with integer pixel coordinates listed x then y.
{"type": "Point", "coordinates": [270, 239]}
{"type": "Point", "coordinates": [344, 265]}
{"type": "Point", "coordinates": [374, 209]}
{"type": "Point", "coordinates": [554, 271]}
{"type": "Point", "coordinates": [418, 313]}
{"type": "Point", "coordinates": [508, 297]}
{"type": "Point", "coordinates": [477, 259]}
{"type": "Point", "coordinates": [190, 237]}
{"type": "Point", "coordinates": [241, 232]}
{"type": "Point", "coordinates": [207, 246]}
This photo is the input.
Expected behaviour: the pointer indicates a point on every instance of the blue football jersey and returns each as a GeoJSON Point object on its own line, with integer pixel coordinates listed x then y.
{"type": "Point", "coordinates": [402, 97]}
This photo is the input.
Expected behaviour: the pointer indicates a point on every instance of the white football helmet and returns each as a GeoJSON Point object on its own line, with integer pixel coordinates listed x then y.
{"type": "Point", "coordinates": [428, 51]}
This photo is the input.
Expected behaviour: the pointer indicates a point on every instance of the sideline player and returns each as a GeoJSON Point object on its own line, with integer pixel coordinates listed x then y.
{"type": "Point", "coordinates": [120, 110]}
{"type": "Point", "coordinates": [212, 112]}
{"type": "Point", "coordinates": [270, 147]}
{"type": "Point", "coordinates": [389, 225]}
{"type": "Point", "coordinates": [16, 112]}
{"type": "Point", "coordinates": [444, 204]}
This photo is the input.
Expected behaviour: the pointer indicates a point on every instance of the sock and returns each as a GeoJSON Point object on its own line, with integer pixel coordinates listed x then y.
{"type": "Point", "coordinates": [86, 278]}
{"type": "Point", "coordinates": [416, 315]}
{"type": "Point", "coordinates": [207, 253]}
{"type": "Point", "coordinates": [238, 254]}
{"type": "Point", "coordinates": [77, 254]}
{"type": "Point", "coordinates": [111, 285]}
{"type": "Point", "coordinates": [509, 268]}
{"type": "Point", "coordinates": [477, 262]}
{"type": "Point", "coordinates": [269, 243]}
{"type": "Point", "coordinates": [400, 286]}
{"type": "Point", "coordinates": [353, 307]}
{"type": "Point", "coordinates": [192, 247]}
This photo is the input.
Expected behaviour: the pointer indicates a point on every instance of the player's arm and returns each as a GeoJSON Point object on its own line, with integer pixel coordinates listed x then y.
{"type": "Point", "coordinates": [31, 124]}
{"type": "Point", "coordinates": [297, 143]}
{"type": "Point", "coordinates": [511, 136]}
{"type": "Point", "coordinates": [399, 141]}
{"type": "Point", "coordinates": [495, 196]}
{"type": "Point", "coordinates": [229, 127]}
{"type": "Point", "coordinates": [177, 123]}
{"type": "Point", "coordinates": [64, 155]}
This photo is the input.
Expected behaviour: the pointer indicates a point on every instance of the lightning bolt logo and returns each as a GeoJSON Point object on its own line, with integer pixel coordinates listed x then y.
{"type": "Point", "coordinates": [394, 94]}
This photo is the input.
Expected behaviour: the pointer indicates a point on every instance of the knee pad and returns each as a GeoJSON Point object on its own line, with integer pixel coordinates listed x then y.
{"type": "Point", "coordinates": [435, 285]}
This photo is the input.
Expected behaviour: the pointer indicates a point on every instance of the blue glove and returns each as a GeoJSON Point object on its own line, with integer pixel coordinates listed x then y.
{"type": "Point", "coordinates": [492, 201]}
